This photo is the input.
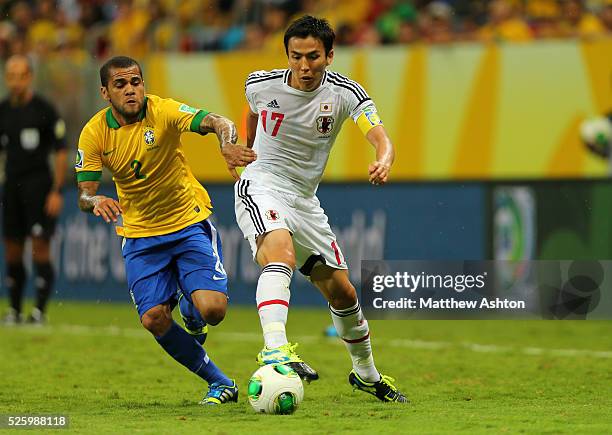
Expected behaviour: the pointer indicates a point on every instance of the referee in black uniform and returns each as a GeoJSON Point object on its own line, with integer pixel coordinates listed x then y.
{"type": "Point", "coordinates": [30, 130]}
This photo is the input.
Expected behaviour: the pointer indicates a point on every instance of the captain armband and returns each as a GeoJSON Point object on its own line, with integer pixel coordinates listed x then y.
{"type": "Point", "coordinates": [368, 120]}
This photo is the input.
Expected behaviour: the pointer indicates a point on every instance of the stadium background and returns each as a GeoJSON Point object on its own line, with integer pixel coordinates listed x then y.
{"type": "Point", "coordinates": [489, 160]}
{"type": "Point", "coordinates": [483, 100]}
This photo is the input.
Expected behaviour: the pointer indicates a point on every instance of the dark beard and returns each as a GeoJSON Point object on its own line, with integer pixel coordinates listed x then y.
{"type": "Point", "coordinates": [129, 117]}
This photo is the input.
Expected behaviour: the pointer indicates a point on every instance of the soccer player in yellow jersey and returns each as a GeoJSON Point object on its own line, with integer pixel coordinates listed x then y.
{"type": "Point", "coordinates": [172, 251]}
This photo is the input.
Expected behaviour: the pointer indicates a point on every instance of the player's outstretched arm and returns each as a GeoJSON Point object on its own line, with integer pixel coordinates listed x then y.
{"type": "Point", "coordinates": [385, 154]}
{"type": "Point", "coordinates": [99, 205]}
{"type": "Point", "coordinates": [235, 155]}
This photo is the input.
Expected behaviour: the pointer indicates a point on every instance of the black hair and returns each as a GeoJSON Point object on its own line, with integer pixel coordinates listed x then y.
{"type": "Point", "coordinates": [116, 62]}
{"type": "Point", "coordinates": [308, 25]}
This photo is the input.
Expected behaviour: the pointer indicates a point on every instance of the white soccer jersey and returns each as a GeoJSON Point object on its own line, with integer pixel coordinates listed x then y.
{"type": "Point", "coordinates": [296, 129]}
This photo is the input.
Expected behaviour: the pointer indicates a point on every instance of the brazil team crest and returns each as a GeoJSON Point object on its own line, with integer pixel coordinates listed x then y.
{"type": "Point", "coordinates": [325, 124]}
{"type": "Point", "coordinates": [149, 137]}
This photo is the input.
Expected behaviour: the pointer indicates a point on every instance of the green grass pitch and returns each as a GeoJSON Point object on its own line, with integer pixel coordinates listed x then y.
{"type": "Point", "coordinates": [95, 363]}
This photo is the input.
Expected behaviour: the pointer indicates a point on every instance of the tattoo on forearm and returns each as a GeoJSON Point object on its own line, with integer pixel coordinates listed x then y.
{"type": "Point", "coordinates": [87, 200]}
{"type": "Point", "coordinates": [233, 133]}
{"type": "Point", "coordinates": [226, 131]}
{"type": "Point", "coordinates": [221, 126]}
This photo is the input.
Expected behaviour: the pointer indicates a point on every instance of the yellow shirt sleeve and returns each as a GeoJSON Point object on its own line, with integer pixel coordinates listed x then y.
{"type": "Point", "coordinates": [182, 117]}
{"type": "Point", "coordinates": [88, 164]}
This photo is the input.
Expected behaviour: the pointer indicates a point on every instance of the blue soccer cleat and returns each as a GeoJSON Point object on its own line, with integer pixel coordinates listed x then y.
{"type": "Point", "coordinates": [219, 394]}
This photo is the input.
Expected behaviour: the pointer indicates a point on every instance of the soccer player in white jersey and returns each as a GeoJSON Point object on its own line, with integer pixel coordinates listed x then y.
{"type": "Point", "coordinates": [295, 116]}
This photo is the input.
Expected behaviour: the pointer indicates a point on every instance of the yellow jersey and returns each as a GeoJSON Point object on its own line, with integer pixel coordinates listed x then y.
{"type": "Point", "coordinates": [156, 189]}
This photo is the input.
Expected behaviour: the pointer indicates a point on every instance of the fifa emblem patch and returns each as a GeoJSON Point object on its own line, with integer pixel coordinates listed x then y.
{"type": "Point", "coordinates": [187, 109]}
{"type": "Point", "coordinates": [372, 116]}
{"type": "Point", "coordinates": [272, 215]}
{"type": "Point", "coordinates": [325, 124]}
{"type": "Point", "coordinates": [78, 164]}
{"type": "Point", "coordinates": [149, 137]}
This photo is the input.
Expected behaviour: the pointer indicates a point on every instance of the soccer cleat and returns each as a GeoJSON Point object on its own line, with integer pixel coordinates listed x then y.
{"type": "Point", "coordinates": [219, 393]}
{"type": "Point", "coordinates": [194, 324]}
{"type": "Point", "coordinates": [384, 389]}
{"type": "Point", "coordinates": [286, 355]}
{"type": "Point", "coordinates": [11, 318]}
{"type": "Point", "coordinates": [37, 318]}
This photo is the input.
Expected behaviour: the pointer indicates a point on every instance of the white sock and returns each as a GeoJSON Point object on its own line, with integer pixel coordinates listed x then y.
{"type": "Point", "coordinates": [353, 328]}
{"type": "Point", "coordinates": [273, 302]}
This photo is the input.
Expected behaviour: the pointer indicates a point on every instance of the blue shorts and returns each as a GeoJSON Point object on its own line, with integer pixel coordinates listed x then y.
{"type": "Point", "coordinates": [188, 260]}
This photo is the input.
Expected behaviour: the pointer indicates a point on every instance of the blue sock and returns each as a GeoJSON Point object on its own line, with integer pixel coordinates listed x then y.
{"type": "Point", "coordinates": [182, 347]}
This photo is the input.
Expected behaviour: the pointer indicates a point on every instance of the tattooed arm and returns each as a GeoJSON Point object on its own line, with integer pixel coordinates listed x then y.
{"type": "Point", "coordinates": [235, 155]}
{"type": "Point", "coordinates": [99, 205]}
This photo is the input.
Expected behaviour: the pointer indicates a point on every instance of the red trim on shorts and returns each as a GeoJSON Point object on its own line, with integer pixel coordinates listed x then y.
{"type": "Point", "coordinates": [337, 252]}
{"type": "Point", "coordinates": [273, 302]}
{"type": "Point", "coordinates": [359, 340]}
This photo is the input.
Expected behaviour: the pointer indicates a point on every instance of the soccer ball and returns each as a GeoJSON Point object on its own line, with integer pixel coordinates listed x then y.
{"type": "Point", "coordinates": [275, 389]}
{"type": "Point", "coordinates": [596, 131]}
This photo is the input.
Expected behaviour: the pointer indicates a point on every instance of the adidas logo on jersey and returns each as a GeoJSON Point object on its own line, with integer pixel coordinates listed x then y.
{"type": "Point", "coordinates": [273, 104]}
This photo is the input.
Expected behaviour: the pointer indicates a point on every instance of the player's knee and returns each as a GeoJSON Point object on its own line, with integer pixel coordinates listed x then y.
{"type": "Point", "coordinates": [276, 247]}
{"type": "Point", "coordinates": [343, 297]}
{"type": "Point", "coordinates": [282, 255]}
{"type": "Point", "coordinates": [157, 320]}
{"type": "Point", "coordinates": [285, 256]}
{"type": "Point", "coordinates": [13, 251]}
{"type": "Point", "coordinates": [290, 259]}
{"type": "Point", "coordinates": [214, 313]}
{"type": "Point", "coordinates": [13, 258]}
{"type": "Point", "coordinates": [40, 250]}
{"type": "Point", "coordinates": [212, 305]}
{"type": "Point", "coordinates": [40, 256]}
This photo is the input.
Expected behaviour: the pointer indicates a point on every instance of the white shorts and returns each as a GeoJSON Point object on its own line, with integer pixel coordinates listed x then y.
{"type": "Point", "coordinates": [260, 210]}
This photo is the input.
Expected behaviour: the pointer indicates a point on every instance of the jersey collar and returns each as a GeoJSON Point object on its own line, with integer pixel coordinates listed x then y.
{"type": "Point", "coordinates": [324, 79]}
{"type": "Point", "coordinates": [114, 124]}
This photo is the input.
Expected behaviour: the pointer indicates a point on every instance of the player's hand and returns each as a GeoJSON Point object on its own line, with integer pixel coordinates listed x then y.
{"type": "Point", "coordinates": [54, 203]}
{"type": "Point", "coordinates": [379, 172]}
{"type": "Point", "coordinates": [236, 156]}
{"type": "Point", "coordinates": [106, 207]}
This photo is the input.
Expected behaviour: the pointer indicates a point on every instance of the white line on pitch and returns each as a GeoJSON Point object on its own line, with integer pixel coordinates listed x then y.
{"type": "Point", "coordinates": [115, 331]}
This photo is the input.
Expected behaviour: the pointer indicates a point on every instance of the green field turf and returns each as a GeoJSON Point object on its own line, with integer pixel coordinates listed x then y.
{"type": "Point", "coordinates": [95, 363]}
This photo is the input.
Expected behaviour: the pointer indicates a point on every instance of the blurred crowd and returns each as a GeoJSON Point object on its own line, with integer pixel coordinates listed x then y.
{"type": "Point", "coordinates": [99, 28]}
